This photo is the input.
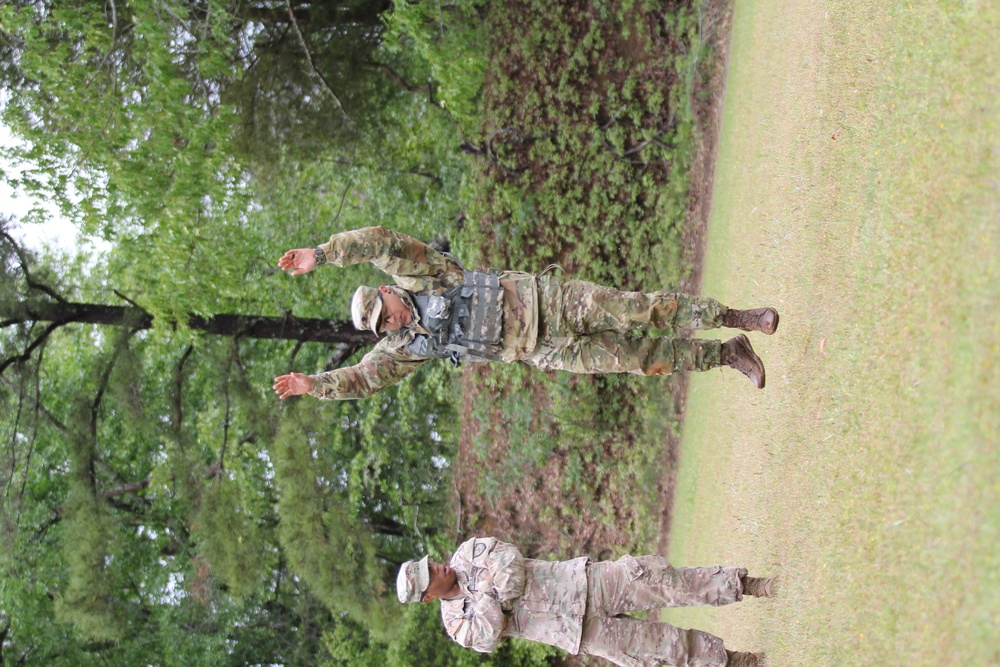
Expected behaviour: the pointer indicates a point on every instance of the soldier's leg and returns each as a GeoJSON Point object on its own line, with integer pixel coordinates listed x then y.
{"type": "Point", "coordinates": [651, 582]}
{"type": "Point", "coordinates": [631, 642]}
{"type": "Point", "coordinates": [622, 353]}
{"type": "Point", "coordinates": [589, 308]}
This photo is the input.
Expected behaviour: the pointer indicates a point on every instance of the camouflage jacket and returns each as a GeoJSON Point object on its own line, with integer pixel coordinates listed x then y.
{"type": "Point", "coordinates": [420, 270]}
{"type": "Point", "coordinates": [507, 595]}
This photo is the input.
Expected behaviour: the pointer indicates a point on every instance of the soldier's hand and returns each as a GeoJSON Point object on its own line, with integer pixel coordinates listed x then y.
{"type": "Point", "coordinates": [293, 384]}
{"type": "Point", "coordinates": [298, 261]}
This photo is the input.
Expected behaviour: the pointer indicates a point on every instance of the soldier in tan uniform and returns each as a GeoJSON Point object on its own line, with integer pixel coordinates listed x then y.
{"type": "Point", "coordinates": [489, 591]}
{"type": "Point", "coordinates": [438, 309]}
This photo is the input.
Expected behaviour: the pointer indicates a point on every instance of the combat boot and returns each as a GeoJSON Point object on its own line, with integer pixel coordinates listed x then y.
{"type": "Point", "coordinates": [758, 587]}
{"type": "Point", "coordinates": [764, 320]}
{"type": "Point", "coordinates": [744, 659]}
{"type": "Point", "coordinates": [737, 353]}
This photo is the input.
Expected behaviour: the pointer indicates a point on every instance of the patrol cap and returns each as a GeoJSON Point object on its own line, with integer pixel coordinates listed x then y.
{"type": "Point", "coordinates": [366, 306]}
{"type": "Point", "coordinates": [413, 580]}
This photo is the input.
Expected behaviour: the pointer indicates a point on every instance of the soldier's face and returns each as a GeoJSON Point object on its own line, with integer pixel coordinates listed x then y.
{"type": "Point", "coordinates": [442, 581]}
{"type": "Point", "coordinates": [395, 313]}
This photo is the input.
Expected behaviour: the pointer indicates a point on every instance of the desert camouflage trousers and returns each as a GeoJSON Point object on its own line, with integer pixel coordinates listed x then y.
{"type": "Point", "coordinates": [648, 583]}
{"type": "Point", "coordinates": [590, 328]}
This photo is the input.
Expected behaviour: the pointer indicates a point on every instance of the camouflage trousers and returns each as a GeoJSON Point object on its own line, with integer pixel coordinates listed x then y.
{"type": "Point", "coordinates": [589, 328]}
{"type": "Point", "coordinates": [647, 583]}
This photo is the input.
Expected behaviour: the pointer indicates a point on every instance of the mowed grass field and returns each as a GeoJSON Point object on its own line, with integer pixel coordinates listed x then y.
{"type": "Point", "coordinates": [858, 191]}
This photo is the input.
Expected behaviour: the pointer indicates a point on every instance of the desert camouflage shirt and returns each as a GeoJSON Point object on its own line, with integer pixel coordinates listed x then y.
{"type": "Point", "coordinates": [507, 595]}
{"type": "Point", "coordinates": [418, 269]}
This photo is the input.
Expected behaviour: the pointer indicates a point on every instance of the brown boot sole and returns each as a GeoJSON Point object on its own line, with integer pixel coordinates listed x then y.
{"type": "Point", "coordinates": [775, 325]}
{"type": "Point", "coordinates": [747, 349]}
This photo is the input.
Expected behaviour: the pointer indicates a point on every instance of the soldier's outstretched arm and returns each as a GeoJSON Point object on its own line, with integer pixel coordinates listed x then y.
{"type": "Point", "coordinates": [376, 371]}
{"type": "Point", "coordinates": [395, 253]}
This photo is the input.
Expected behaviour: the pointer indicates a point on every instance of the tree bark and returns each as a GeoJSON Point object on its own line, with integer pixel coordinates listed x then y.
{"type": "Point", "coordinates": [309, 330]}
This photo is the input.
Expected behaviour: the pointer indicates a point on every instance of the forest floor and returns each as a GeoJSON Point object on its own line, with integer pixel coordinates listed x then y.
{"type": "Point", "coordinates": [520, 474]}
{"type": "Point", "coordinates": [856, 190]}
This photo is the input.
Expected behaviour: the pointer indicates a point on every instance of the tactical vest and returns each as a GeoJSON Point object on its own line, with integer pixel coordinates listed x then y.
{"type": "Point", "coordinates": [464, 322]}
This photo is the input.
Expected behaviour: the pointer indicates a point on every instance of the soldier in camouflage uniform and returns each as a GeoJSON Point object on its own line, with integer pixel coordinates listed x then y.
{"type": "Point", "coordinates": [490, 591]}
{"type": "Point", "coordinates": [545, 321]}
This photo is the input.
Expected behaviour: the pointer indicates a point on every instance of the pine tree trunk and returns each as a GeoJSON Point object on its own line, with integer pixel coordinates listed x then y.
{"type": "Point", "coordinates": [249, 326]}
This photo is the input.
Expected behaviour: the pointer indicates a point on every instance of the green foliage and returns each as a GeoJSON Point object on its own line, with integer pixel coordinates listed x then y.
{"type": "Point", "coordinates": [228, 525]}
{"type": "Point", "coordinates": [589, 127]}
{"type": "Point", "coordinates": [448, 38]}
{"type": "Point", "coordinates": [87, 601]}
{"type": "Point", "coordinates": [154, 150]}
{"type": "Point", "coordinates": [323, 540]}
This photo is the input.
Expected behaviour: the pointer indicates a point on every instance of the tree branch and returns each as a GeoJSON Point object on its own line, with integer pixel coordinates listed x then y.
{"type": "Point", "coordinates": [12, 446]}
{"type": "Point", "coordinates": [19, 251]}
{"type": "Point", "coordinates": [337, 360]}
{"type": "Point", "coordinates": [178, 413]}
{"type": "Point", "coordinates": [295, 353]}
{"type": "Point", "coordinates": [127, 300]}
{"type": "Point", "coordinates": [23, 660]}
{"type": "Point", "coordinates": [3, 636]}
{"type": "Point", "coordinates": [286, 327]}
{"type": "Point", "coordinates": [103, 383]}
{"type": "Point", "coordinates": [406, 85]}
{"type": "Point", "coordinates": [395, 76]}
{"type": "Point", "coordinates": [225, 420]}
{"type": "Point", "coordinates": [45, 411]}
{"type": "Point", "coordinates": [312, 64]}
{"type": "Point", "coordinates": [134, 487]}
{"type": "Point", "coordinates": [31, 348]}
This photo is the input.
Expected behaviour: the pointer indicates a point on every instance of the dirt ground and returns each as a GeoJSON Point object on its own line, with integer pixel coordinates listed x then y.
{"type": "Point", "coordinates": [524, 514]}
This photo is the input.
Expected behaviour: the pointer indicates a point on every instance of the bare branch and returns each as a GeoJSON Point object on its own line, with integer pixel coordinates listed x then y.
{"type": "Point", "coordinates": [134, 487]}
{"type": "Point", "coordinates": [225, 419]}
{"type": "Point", "coordinates": [3, 635]}
{"type": "Point", "coordinates": [238, 361]}
{"type": "Point", "coordinates": [31, 348]}
{"type": "Point", "coordinates": [396, 76]}
{"type": "Point", "coordinates": [295, 353]}
{"type": "Point", "coordinates": [638, 147]}
{"type": "Point", "coordinates": [23, 660]}
{"type": "Point", "coordinates": [102, 385]}
{"type": "Point", "coordinates": [312, 64]}
{"type": "Point", "coordinates": [38, 406]}
{"type": "Point", "coordinates": [127, 300]}
{"type": "Point", "coordinates": [337, 359]}
{"type": "Point", "coordinates": [343, 200]}
{"type": "Point", "coordinates": [178, 415]}
{"type": "Point", "coordinates": [23, 261]}
{"type": "Point", "coordinates": [13, 443]}
{"type": "Point", "coordinates": [406, 85]}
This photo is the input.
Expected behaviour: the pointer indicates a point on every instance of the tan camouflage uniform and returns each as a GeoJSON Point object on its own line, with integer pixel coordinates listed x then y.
{"type": "Point", "coordinates": [587, 328]}
{"type": "Point", "coordinates": [647, 583]}
{"type": "Point", "coordinates": [581, 607]}
{"type": "Point", "coordinates": [548, 322]}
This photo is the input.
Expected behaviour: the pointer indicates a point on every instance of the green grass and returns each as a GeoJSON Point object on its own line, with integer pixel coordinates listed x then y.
{"type": "Point", "coordinates": [857, 191]}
